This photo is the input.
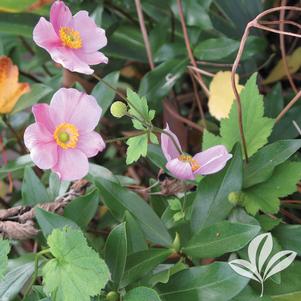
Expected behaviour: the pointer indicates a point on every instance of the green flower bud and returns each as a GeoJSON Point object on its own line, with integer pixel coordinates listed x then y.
{"type": "Point", "coordinates": [234, 197]}
{"type": "Point", "coordinates": [176, 243]}
{"type": "Point", "coordinates": [118, 109]}
{"type": "Point", "coordinates": [112, 296]}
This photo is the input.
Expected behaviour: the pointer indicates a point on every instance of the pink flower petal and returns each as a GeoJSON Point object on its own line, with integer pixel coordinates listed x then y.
{"type": "Point", "coordinates": [72, 164]}
{"type": "Point", "coordinates": [179, 169]}
{"type": "Point", "coordinates": [60, 15]}
{"type": "Point", "coordinates": [36, 134]}
{"type": "Point", "coordinates": [92, 58]}
{"type": "Point", "coordinates": [168, 147]}
{"type": "Point", "coordinates": [78, 108]}
{"type": "Point", "coordinates": [42, 115]}
{"type": "Point", "coordinates": [90, 144]}
{"type": "Point", "coordinates": [93, 37]}
{"type": "Point", "coordinates": [45, 36]}
{"type": "Point", "coordinates": [44, 155]}
{"type": "Point", "coordinates": [212, 160]}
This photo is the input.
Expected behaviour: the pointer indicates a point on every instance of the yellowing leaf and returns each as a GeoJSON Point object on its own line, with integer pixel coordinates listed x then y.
{"type": "Point", "coordinates": [221, 94]}
{"type": "Point", "coordinates": [278, 72]}
{"type": "Point", "coordinates": [10, 89]}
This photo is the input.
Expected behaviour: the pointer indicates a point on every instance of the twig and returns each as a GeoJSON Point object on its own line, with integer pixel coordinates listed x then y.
{"type": "Point", "coordinates": [282, 48]}
{"type": "Point", "coordinates": [188, 47]}
{"type": "Point", "coordinates": [297, 127]}
{"type": "Point", "coordinates": [201, 71]}
{"type": "Point", "coordinates": [18, 222]}
{"type": "Point", "coordinates": [144, 34]}
{"type": "Point", "coordinates": [288, 106]}
{"type": "Point", "coordinates": [291, 216]}
{"type": "Point", "coordinates": [183, 119]}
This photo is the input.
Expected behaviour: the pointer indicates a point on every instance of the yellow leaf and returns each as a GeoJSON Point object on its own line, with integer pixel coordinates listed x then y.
{"type": "Point", "coordinates": [221, 94]}
{"type": "Point", "coordinates": [278, 72]}
{"type": "Point", "coordinates": [10, 89]}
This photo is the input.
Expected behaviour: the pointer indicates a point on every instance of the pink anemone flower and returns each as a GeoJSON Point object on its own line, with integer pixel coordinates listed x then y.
{"type": "Point", "coordinates": [72, 41]}
{"type": "Point", "coordinates": [186, 167]}
{"type": "Point", "coordinates": [62, 138]}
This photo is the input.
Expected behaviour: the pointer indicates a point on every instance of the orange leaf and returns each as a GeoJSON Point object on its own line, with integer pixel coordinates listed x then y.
{"type": "Point", "coordinates": [10, 89]}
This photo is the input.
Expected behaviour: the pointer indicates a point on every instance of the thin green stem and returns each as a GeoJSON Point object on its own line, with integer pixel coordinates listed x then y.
{"type": "Point", "coordinates": [118, 93]}
{"type": "Point", "coordinates": [125, 138]}
{"type": "Point", "coordinates": [35, 273]}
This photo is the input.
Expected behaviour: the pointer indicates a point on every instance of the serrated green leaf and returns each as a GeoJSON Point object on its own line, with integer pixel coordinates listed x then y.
{"type": "Point", "coordinates": [33, 191]}
{"type": "Point", "coordinates": [137, 147]}
{"type": "Point", "coordinates": [4, 250]}
{"type": "Point", "coordinates": [138, 105]}
{"type": "Point", "coordinates": [76, 273]}
{"type": "Point", "coordinates": [265, 196]}
{"type": "Point", "coordinates": [257, 128]}
{"type": "Point", "coordinates": [263, 163]}
{"type": "Point", "coordinates": [220, 238]}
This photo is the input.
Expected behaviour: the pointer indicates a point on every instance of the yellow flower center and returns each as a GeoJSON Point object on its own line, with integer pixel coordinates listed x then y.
{"type": "Point", "coordinates": [70, 38]}
{"type": "Point", "coordinates": [66, 135]}
{"type": "Point", "coordinates": [188, 159]}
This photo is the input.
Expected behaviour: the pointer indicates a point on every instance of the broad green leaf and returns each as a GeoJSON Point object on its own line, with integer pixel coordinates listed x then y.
{"type": "Point", "coordinates": [142, 263]}
{"type": "Point", "coordinates": [215, 49]}
{"type": "Point", "coordinates": [4, 250]}
{"type": "Point", "coordinates": [267, 222]}
{"type": "Point", "coordinates": [37, 93]}
{"type": "Point", "coordinates": [33, 191]}
{"type": "Point", "coordinates": [154, 153]}
{"type": "Point", "coordinates": [116, 253]}
{"type": "Point", "coordinates": [274, 102]}
{"type": "Point", "coordinates": [263, 163]}
{"type": "Point", "coordinates": [211, 203]}
{"type": "Point", "coordinates": [56, 187]}
{"type": "Point", "coordinates": [142, 293]}
{"type": "Point", "coordinates": [220, 238]}
{"type": "Point", "coordinates": [13, 7]}
{"type": "Point", "coordinates": [16, 165]}
{"type": "Point", "coordinates": [49, 221]}
{"type": "Point", "coordinates": [157, 83]}
{"type": "Point", "coordinates": [76, 272]}
{"type": "Point", "coordinates": [257, 128]}
{"type": "Point", "coordinates": [289, 237]}
{"type": "Point", "coordinates": [210, 140]}
{"type": "Point", "coordinates": [135, 238]}
{"type": "Point", "coordinates": [211, 282]}
{"type": "Point", "coordinates": [119, 200]}
{"type": "Point", "coordinates": [126, 42]}
{"type": "Point", "coordinates": [290, 288]}
{"type": "Point", "coordinates": [82, 209]}
{"type": "Point", "coordinates": [137, 147]}
{"type": "Point", "coordinates": [19, 272]}
{"type": "Point", "coordinates": [249, 294]}
{"type": "Point", "coordinates": [103, 94]}
{"type": "Point", "coordinates": [18, 24]}
{"type": "Point", "coordinates": [265, 196]}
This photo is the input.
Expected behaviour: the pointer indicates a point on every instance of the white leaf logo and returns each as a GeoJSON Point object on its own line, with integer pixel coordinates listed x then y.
{"type": "Point", "coordinates": [254, 268]}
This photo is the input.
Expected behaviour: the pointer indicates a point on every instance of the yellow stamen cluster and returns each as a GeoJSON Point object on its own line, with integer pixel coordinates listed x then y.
{"type": "Point", "coordinates": [188, 159]}
{"type": "Point", "coordinates": [66, 135]}
{"type": "Point", "coordinates": [70, 38]}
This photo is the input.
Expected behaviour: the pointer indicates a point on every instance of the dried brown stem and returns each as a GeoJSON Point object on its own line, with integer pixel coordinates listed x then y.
{"type": "Point", "coordinates": [283, 50]}
{"type": "Point", "coordinates": [18, 222]}
{"type": "Point", "coordinates": [188, 47]}
{"type": "Point", "coordinates": [144, 34]}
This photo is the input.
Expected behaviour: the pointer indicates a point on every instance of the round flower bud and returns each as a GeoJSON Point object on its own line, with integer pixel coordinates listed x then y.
{"type": "Point", "coordinates": [118, 109]}
{"type": "Point", "coordinates": [234, 197]}
{"type": "Point", "coordinates": [112, 296]}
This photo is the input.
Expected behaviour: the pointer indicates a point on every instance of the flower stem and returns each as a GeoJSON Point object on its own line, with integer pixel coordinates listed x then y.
{"type": "Point", "coordinates": [35, 273]}
{"type": "Point", "coordinates": [125, 138]}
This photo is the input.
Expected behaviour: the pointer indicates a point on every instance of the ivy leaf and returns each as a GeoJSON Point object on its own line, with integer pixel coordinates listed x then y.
{"type": "Point", "coordinates": [257, 128]}
{"type": "Point", "coordinates": [265, 196]}
{"type": "Point", "coordinates": [4, 250]}
{"type": "Point", "coordinates": [138, 106]}
{"type": "Point", "coordinates": [137, 148]}
{"type": "Point", "coordinates": [76, 272]}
